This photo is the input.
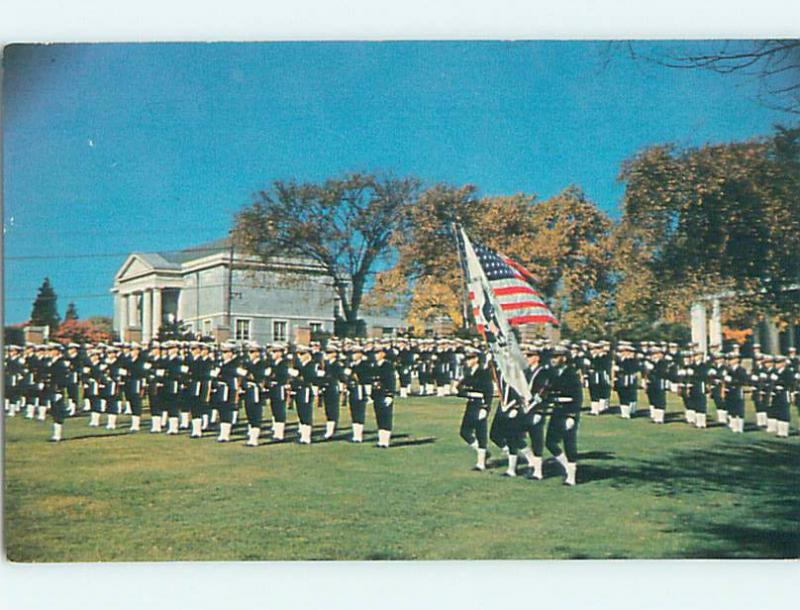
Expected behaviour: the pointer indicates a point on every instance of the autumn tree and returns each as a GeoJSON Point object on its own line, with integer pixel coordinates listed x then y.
{"type": "Point", "coordinates": [345, 225]}
{"type": "Point", "coordinates": [720, 218]}
{"type": "Point", "coordinates": [562, 240]}
{"type": "Point", "coordinates": [93, 330]}
{"type": "Point", "coordinates": [45, 307]}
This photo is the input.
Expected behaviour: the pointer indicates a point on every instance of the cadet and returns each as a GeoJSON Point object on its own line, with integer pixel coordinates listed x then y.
{"type": "Point", "coordinates": [174, 376]}
{"type": "Point", "coordinates": [332, 382]}
{"type": "Point", "coordinates": [254, 386]}
{"type": "Point", "coordinates": [697, 379]}
{"type": "Point", "coordinates": [736, 382]}
{"type": "Point", "coordinates": [784, 381]}
{"type": "Point", "coordinates": [598, 377]}
{"type": "Point", "coordinates": [759, 379]}
{"type": "Point", "coordinates": [200, 385]}
{"type": "Point", "coordinates": [383, 391]}
{"type": "Point", "coordinates": [60, 372]}
{"type": "Point", "coordinates": [477, 387]}
{"type": "Point", "coordinates": [657, 381]}
{"type": "Point", "coordinates": [567, 395]}
{"type": "Point", "coordinates": [305, 377]}
{"type": "Point", "coordinates": [278, 379]}
{"type": "Point", "coordinates": [135, 384]}
{"type": "Point", "coordinates": [626, 383]}
{"type": "Point", "coordinates": [359, 377]}
{"type": "Point", "coordinates": [14, 372]}
{"type": "Point", "coordinates": [538, 375]}
{"type": "Point", "coordinates": [226, 390]}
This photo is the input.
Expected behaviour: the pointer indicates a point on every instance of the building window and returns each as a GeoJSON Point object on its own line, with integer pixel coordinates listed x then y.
{"type": "Point", "coordinates": [207, 327]}
{"type": "Point", "coordinates": [279, 330]}
{"type": "Point", "coordinates": [316, 327]}
{"type": "Point", "coordinates": [242, 330]}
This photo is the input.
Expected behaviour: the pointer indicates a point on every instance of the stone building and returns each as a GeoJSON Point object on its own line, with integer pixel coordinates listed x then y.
{"type": "Point", "coordinates": [220, 293]}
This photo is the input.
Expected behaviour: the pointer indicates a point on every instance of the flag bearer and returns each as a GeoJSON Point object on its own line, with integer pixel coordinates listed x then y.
{"type": "Point", "coordinates": [538, 374]}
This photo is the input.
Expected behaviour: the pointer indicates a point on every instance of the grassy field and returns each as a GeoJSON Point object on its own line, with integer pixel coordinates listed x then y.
{"type": "Point", "coordinates": [644, 491]}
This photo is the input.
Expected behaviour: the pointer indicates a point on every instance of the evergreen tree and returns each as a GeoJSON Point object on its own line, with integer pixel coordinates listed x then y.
{"type": "Point", "coordinates": [45, 308]}
{"type": "Point", "coordinates": [71, 313]}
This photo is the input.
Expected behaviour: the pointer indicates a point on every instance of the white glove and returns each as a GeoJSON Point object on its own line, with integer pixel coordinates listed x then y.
{"type": "Point", "coordinates": [483, 414]}
{"type": "Point", "coordinates": [570, 423]}
{"type": "Point", "coordinates": [536, 418]}
{"type": "Point", "coordinates": [293, 372]}
{"type": "Point", "coordinates": [387, 402]}
{"type": "Point", "coordinates": [512, 413]}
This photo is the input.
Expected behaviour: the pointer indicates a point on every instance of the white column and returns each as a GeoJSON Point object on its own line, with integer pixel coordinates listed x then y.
{"type": "Point", "coordinates": [156, 311]}
{"type": "Point", "coordinates": [699, 326]}
{"type": "Point", "coordinates": [147, 316]}
{"type": "Point", "coordinates": [122, 301]}
{"type": "Point", "coordinates": [715, 325]}
{"type": "Point", "coordinates": [133, 310]}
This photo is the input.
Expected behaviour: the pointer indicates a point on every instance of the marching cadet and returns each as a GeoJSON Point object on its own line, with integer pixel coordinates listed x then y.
{"type": "Point", "coordinates": [14, 371]}
{"type": "Point", "coordinates": [759, 380]}
{"type": "Point", "coordinates": [174, 376]}
{"type": "Point", "coordinates": [60, 372]}
{"type": "Point", "coordinates": [304, 378]}
{"type": "Point", "coordinates": [200, 387]}
{"type": "Point", "coordinates": [477, 387]}
{"type": "Point", "coordinates": [332, 383]}
{"type": "Point", "coordinates": [42, 381]}
{"type": "Point", "coordinates": [115, 370]}
{"type": "Point", "coordinates": [359, 378]}
{"type": "Point", "coordinates": [135, 382]}
{"type": "Point", "coordinates": [383, 391]}
{"type": "Point", "coordinates": [657, 376]}
{"type": "Point", "coordinates": [736, 383]}
{"type": "Point", "coordinates": [566, 395]}
{"type": "Point", "coordinates": [538, 375]}
{"type": "Point", "coordinates": [279, 390]}
{"type": "Point", "coordinates": [254, 387]}
{"type": "Point", "coordinates": [226, 390]}
{"type": "Point", "coordinates": [716, 380]}
{"type": "Point", "coordinates": [155, 386]}
{"type": "Point", "coordinates": [29, 386]}
{"type": "Point", "coordinates": [597, 377]}
{"type": "Point", "coordinates": [405, 358]}
{"type": "Point", "coordinates": [784, 383]}
{"type": "Point", "coordinates": [94, 380]}
{"type": "Point", "coordinates": [697, 379]}
{"type": "Point", "coordinates": [75, 361]}
{"type": "Point", "coordinates": [626, 383]}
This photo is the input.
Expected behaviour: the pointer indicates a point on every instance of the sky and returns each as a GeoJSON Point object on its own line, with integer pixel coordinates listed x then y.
{"type": "Point", "coordinates": [114, 148]}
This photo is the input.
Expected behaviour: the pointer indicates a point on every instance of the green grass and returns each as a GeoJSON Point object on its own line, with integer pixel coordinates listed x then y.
{"type": "Point", "coordinates": [644, 491]}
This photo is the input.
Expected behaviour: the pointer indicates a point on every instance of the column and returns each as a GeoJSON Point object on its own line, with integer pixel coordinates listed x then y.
{"type": "Point", "coordinates": [147, 316]}
{"type": "Point", "coordinates": [699, 326]}
{"type": "Point", "coordinates": [715, 325]}
{"type": "Point", "coordinates": [156, 311]}
{"type": "Point", "coordinates": [133, 310]}
{"type": "Point", "coordinates": [122, 302]}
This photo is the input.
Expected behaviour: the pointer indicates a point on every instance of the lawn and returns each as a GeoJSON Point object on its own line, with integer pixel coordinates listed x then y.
{"type": "Point", "coordinates": [644, 491]}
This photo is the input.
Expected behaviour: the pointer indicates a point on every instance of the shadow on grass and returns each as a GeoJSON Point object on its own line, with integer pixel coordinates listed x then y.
{"type": "Point", "coordinates": [765, 476]}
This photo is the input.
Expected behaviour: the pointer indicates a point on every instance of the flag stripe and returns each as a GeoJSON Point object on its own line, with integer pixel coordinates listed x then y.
{"type": "Point", "coordinates": [533, 319]}
{"type": "Point", "coordinates": [518, 289]}
{"type": "Point", "coordinates": [521, 305]}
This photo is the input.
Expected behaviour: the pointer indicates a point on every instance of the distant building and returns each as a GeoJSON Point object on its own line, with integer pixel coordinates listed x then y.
{"type": "Point", "coordinates": [220, 293]}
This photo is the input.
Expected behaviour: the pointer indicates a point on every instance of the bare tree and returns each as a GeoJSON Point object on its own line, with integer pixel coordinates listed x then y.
{"type": "Point", "coordinates": [774, 63]}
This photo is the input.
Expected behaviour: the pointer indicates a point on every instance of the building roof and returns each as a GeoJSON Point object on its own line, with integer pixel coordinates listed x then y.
{"type": "Point", "coordinates": [177, 257]}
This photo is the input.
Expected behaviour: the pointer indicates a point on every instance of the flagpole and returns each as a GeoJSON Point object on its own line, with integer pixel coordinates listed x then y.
{"type": "Point", "coordinates": [465, 303]}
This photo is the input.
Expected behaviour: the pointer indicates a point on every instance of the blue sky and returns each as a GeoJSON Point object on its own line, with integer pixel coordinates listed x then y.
{"type": "Point", "coordinates": [114, 148]}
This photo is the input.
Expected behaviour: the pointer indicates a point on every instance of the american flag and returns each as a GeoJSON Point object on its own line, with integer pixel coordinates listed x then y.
{"type": "Point", "coordinates": [511, 284]}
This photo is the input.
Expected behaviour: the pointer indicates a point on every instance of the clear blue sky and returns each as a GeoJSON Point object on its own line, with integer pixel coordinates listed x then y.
{"type": "Point", "coordinates": [114, 148]}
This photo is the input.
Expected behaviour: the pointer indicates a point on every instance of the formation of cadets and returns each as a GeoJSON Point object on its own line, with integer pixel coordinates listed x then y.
{"type": "Point", "coordinates": [196, 386]}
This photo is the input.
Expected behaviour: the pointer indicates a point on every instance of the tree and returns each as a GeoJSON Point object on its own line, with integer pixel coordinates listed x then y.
{"type": "Point", "coordinates": [71, 313]}
{"type": "Point", "coordinates": [94, 330]}
{"type": "Point", "coordinates": [774, 63]}
{"type": "Point", "coordinates": [720, 218]}
{"type": "Point", "coordinates": [345, 225]}
{"type": "Point", "coordinates": [562, 240]}
{"type": "Point", "coordinates": [45, 307]}
{"type": "Point", "coordinates": [175, 330]}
